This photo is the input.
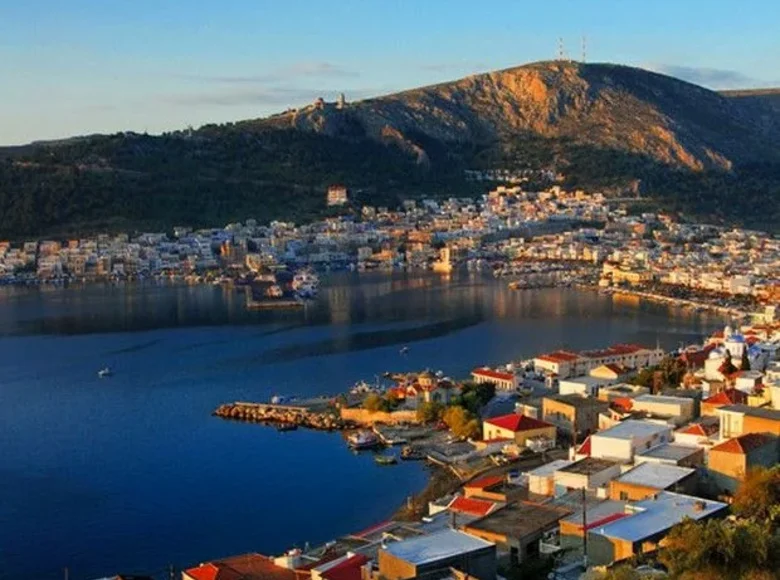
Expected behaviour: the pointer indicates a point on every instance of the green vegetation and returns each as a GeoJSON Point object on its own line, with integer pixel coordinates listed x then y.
{"type": "Point", "coordinates": [461, 422]}
{"type": "Point", "coordinates": [430, 412]}
{"type": "Point", "coordinates": [668, 373]}
{"type": "Point", "coordinates": [375, 402]}
{"type": "Point", "coordinates": [474, 396]}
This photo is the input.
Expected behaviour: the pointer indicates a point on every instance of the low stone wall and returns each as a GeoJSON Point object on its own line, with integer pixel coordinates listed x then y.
{"type": "Point", "coordinates": [366, 417]}
{"type": "Point", "coordinates": [285, 414]}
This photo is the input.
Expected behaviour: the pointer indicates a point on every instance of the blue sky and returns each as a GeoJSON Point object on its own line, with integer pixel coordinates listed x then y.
{"type": "Point", "coordinates": [83, 66]}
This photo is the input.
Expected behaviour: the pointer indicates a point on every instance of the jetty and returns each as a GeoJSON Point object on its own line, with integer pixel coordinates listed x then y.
{"type": "Point", "coordinates": [267, 413]}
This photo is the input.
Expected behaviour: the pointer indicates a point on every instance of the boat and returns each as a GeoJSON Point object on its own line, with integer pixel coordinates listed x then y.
{"type": "Point", "coordinates": [404, 350]}
{"type": "Point", "coordinates": [385, 460]}
{"type": "Point", "coordinates": [363, 440]}
{"type": "Point", "coordinates": [286, 427]}
{"type": "Point", "coordinates": [305, 284]}
{"type": "Point", "coordinates": [410, 453]}
{"type": "Point", "coordinates": [104, 372]}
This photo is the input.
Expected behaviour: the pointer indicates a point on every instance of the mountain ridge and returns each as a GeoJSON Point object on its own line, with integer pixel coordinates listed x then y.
{"type": "Point", "coordinates": [604, 126]}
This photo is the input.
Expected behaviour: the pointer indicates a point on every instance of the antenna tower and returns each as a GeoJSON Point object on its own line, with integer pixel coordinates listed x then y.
{"type": "Point", "coordinates": [561, 55]}
{"type": "Point", "coordinates": [584, 47]}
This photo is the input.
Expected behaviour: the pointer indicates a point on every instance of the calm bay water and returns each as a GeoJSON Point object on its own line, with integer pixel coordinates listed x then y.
{"type": "Point", "coordinates": [131, 473]}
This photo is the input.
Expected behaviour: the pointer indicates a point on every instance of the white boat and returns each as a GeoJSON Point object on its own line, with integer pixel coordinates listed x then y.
{"type": "Point", "coordinates": [305, 284]}
{"type": "Point", "coordinates": [363, 440]}
{"type": "Point", "coordinates": [104, 372]}
{"type": "Point", "coordinates": [404, 349]}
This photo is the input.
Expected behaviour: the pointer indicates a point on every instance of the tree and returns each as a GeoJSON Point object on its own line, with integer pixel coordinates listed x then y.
{"type": "Point", "coordinates": [720, 549]}
{"type": "Point", "coordinates": [461, 422]}
{"type": "Point", "coordinates": [758, 497]}
{"type": "Point", "coordinates": [374, 402]}
{"type": "Point", "coordinates": [429, 412]}
{"type": "Point", "coordinates": [745, 364]}
{"type": "Point", "coordinates": [474, 396]}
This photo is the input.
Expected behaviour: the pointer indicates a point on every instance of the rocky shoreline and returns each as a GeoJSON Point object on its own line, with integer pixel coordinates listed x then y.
{"type": "Point", "coordinates": [282, 415]}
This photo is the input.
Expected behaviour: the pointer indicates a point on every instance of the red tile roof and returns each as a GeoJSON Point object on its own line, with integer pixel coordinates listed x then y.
{"type": "Point", "coordinates": [559, 356]}
{"type": "Point", "coordinates": [209, 571]}
{"type": "Point", "coordinates": [517, 423]}
{"type": "Point", "coordinates": [471, 506]}
{"type": "Point", "coordinates": [585, 447]}
{"type": "Point", "coordinates": [727, 397]}
{"type": "Point", "coordinates": [349, 569]}
{"type": "Point", "coordinates": [486, 482]}
{"type": "Point", "coordinates": [491, 374]}
{"type": "Point", "coordinates": [623, 403]}
{"type": "Point", "coordinates": [744, 443]}
{"type": "Point", "coordinates": [700, 429]}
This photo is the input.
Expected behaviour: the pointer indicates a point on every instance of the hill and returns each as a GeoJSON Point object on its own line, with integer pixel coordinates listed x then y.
{"type": "Point", "coordinates": [603, 126]}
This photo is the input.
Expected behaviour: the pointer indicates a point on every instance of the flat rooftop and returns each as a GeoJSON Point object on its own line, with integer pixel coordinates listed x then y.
{"type": "Point", "coordinates": [631, 428]}
{"type": "Point", "coordinates": [661, 399]}
{"type": "Point", "coordinates": [655, 516]}
{"type": "Point", "coordinates": [657, 475]}
{"type": "Point", "coordinates": [576, 400]}
{"type": "Point", "coordinates": [671, 451]}
{"type": "Point", "coordinates": [588, 466]}
{"type": "Point", "coordinates": [762, 412]}
{"type": "Point", "coordinates": [596, 511]}
{"type": "Point", "coordinates": [437, 546]}
{"type": "Point", "coordinates": [521, 519]}
{"type": "Point", "coordinates": [550, 468]}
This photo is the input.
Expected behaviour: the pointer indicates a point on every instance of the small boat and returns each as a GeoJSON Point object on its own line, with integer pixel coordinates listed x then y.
{"type": "Point", "coordinates": [104, 372]}
{"type": "Point", "coordinates": [286, 427]}
{"type": "Point", "coordinates": [404, 350]}
{"type": "Point", "coordinates": [363, 440]}
{"type": "Point", "coordinates": [409, 453]}
{"type": "Point", "coordinates": [385, 460]}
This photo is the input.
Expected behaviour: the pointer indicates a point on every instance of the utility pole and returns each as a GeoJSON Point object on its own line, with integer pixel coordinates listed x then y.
{"type": "Point", "coordinates": [584, 531]}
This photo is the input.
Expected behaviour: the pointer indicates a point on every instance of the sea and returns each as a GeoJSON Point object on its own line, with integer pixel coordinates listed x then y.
{"type": "Point", "coordinates": [132, 474]}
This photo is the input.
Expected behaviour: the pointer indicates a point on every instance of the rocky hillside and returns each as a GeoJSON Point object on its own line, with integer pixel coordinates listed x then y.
{"type": "Point", "coordinates": [602, 126]}
{"type": "Point", "coordinates": [596, 105]}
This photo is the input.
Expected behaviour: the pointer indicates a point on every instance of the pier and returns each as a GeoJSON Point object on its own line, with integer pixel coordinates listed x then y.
{"type": "Point", "coordinates": [301, 416]}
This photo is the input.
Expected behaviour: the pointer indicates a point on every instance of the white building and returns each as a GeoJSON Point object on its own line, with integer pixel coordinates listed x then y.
{"type": "Point", "coordinates": [623, 441]}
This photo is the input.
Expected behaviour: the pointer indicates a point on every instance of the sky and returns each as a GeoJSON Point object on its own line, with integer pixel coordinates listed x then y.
{"type": "Point", "coordinates": [74, 67]}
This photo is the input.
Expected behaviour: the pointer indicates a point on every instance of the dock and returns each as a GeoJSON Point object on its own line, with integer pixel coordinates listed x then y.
{"type": "Point", "coordinates": [264, 413]}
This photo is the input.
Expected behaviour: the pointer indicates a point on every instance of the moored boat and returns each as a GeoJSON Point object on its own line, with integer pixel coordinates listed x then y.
{"type": "Point", "coordinates": [363, 440]}
{"type": "Point", "coordinates": [286, 427]}
{"type": "Point", "coordinates": [409, 453]}
{"type": "Point", "coordinates": [385, 460]}
{"type": "Point", "coordinates": [104, 372]}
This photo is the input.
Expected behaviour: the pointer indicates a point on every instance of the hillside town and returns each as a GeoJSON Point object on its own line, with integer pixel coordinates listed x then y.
{"type": "Point", "coordinates": [533, 238]}
{"type": "Point", "coordinates": [567, 465]}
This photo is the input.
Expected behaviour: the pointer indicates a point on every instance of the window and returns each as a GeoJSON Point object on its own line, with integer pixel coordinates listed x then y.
{"type": "Point", "coordinates": [623, 496]}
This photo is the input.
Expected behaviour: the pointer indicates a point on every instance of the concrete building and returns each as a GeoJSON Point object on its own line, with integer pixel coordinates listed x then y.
{"type": "Point", "coordinates": [620, 391]}
{"type": "Point", "coordinates": [588, 473]}
{"type": "Point", "coordinates": [337, 195]}
{"type": "Point", "coordinates": [645, 524]}
{"type": "Point", "coordinates": [736, 420]}
{"type": "Point", "coordinates": [648, 478]}
{"type": "Point", "coordinates": [729, 462]}
{"type": "Point", "coordinates": [517, 428]}
{"type": "Point", "coordinates": [504, 381]}
{"type": "Point", "coordinates": [517, 528]}
{"type": "Point", "coordinates": [710, 405]}
{"type": "Point", "coordinates": [574, 415]}
{"type": "Point", "coordinates": [437, 552]}
{"type": "Point", "coordinates": [623, 441]}
{"type": "Point", "coordinates": [677, 409]}
{"type": "Point", "coordinates": [249, 566]}
{"type": "Point", "coordinates": [541, 481]}
{"type": "Point", "coordinates": [673, 454]}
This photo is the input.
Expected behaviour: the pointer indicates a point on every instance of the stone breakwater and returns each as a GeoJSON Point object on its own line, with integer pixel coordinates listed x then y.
{"type": "Point", "coordinates": [283, 414]}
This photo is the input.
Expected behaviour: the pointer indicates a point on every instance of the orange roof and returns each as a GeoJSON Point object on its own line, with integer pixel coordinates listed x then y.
{"type": "Point", "coordinates": [744, 443]}
{"type": "Point", "coordinates": [559, 356]}
{"type": "Point", "coordinates": [727, 397]}
{"type": "Point", "coordinates": [623, 403]}
{"type": "Point", "coordinates": [471, 506]}
{"type": "Point", "coordinates": [210, 571]}
{"type": "Point", "coordinates": [517, 423]}
{"type": "Point", "coordinates": [491, 374]}
{"type": "Point", "coordinates": [349, 569]}
{"type": "Point", "coordinates": [700, 429]}
{"type": "Point", "coordinates": [486, 482]}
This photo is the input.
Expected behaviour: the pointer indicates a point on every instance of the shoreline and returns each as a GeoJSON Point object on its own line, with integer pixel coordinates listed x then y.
{"type": "Point", "coordinates": [663, 299]}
